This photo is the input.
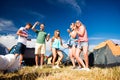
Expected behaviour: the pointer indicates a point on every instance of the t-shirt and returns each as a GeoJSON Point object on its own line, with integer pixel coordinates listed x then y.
{"type": "Point", "coordinates": [41, 35]}
{"type": "Point", "coordinates": [83, 38]}
{"type": "Point", "coordinates": [22, 39]}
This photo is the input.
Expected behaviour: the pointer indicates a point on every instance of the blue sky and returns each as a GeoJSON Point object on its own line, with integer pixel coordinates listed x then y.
{"type": "Point", "coordinates": [101, 17]}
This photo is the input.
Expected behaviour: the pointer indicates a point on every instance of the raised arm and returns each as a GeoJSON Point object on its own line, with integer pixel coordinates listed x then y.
{"type": "Point", "coordinates": [73, 33]}
{"type": "Point", "coordinates": [33, 28]}
{"type": "Point", "coordinates": [48, 37]}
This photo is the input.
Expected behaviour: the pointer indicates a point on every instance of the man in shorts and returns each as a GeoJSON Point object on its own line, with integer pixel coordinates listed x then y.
{"type": "Point", "coordinates": [40, 43]}
{"type": "Point", "coordinates": [22, 41]}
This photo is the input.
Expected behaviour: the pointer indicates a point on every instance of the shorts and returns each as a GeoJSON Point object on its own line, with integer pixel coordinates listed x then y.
{"type": "Point", "coordinates": [20, 48]}
{"type": "Point", "coordinates": [40, 48]}
{"type": "Point", "coordinates": [81, 44]}
{"type": "Point", "coordinates": [71, 43]}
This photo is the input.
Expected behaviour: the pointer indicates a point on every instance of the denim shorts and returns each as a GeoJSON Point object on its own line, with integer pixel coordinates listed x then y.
{"type": "Point", "coordinates": [20, 48]}
{"type": "Point", "coordinates": [71, 43]}
{"type": "Point", "coordinates": [81, 44]}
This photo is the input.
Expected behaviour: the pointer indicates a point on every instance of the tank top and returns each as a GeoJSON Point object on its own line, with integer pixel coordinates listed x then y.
{"type": "Point", "coordinates": [56, 43]}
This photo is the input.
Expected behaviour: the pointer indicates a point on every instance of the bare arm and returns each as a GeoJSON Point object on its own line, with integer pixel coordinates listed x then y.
{"type": "Point", "coordinates": [33, 28]}
{"type": "Point", "coordinates": [52, 40]}
{"type": "Point", "coordinates": [64, 46]}
{"type": "Point", "coordinates": [61, 42]}
{"type": "Point", "coordinates": [20, 33]}
{"type": "Point", "coordinates": [72, 33]}
{"type": "Point", "coordinates": [82, 32]}
{"type": "Point", "coordinates": [48, 37]}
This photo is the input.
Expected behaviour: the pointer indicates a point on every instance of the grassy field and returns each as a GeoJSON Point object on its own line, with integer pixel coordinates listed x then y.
{"type": "Point", "coordinates": [65, 73]}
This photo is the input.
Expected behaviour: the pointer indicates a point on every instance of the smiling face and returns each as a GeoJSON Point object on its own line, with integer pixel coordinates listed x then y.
{"type": "Point", "coordinates": [56, 34]}
{"type": "Point", "coordinates": [72, 26]}
{"type": "Point", "coordinates": [78, 23]}
{"type": "Point", "coordinates": [42, 26]}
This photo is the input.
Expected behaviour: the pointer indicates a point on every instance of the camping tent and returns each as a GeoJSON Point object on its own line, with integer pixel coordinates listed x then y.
{"type": "Point", "coordinates": [64, 61]}
{"type": "Point", "coordinates": [29, 56]}
{"type": "Point", "coordinates": [106, 54]}
{"type": "Point", "coordinates": [3, 49]}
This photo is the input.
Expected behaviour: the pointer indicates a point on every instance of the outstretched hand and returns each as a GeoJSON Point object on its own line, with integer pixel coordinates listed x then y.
{"type": "Point", "coordinates": [37, 23]}
{"type": "Point", "coordinates": [68, 30]}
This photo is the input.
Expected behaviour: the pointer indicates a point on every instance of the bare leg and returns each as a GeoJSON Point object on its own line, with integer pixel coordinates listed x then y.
{"type": "Point", "coordinates": [54, 56]}
{"type": "Point", "coordinates": [79, 60]}
{"type": "Point", "coordinates": [71, 57]}
{"type": "Point", "coordinates": [21, 58]}
{"type": "Point", "coordinates": [42, 59]}
{"type": "Point", "coordinates": [61, 57]}
{"type": "Point", "coordinates": [36, 59]}
{"type": "Point", "coordinates": [16, 55]}
{"type": "Point", "coordinates": [85, 51]}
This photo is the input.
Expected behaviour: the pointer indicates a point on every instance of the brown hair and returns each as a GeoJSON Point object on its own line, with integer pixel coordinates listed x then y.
{"type": "Point", "coordinates": [29, 25]}
{"type": "Point", "coordinates": [55, 35]}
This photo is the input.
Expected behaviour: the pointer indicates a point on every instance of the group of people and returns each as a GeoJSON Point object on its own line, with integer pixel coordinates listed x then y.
{"type": "Point", "coordinates": [78, 41]}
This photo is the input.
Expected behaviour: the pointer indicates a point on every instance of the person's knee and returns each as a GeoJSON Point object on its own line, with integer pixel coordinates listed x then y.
{"type": "Point", "coordinates": [85, 54]}
{"type": "Point", "coordinates": [54, 57]}
{"type": "Point", "coordinates": [36, 55]}
{"type": "Point", "coordinates": [77, 57]}
{"type": "Point", "coordinates": [62, 56]}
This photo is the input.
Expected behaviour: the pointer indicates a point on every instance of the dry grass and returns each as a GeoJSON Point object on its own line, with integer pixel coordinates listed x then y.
{"type": "Point", "coordinates": [93, 74]}
{"type": "Point", "coordinates": [66, 73]}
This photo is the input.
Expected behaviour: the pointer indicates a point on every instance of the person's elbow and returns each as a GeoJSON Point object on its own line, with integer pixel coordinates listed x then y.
{"type": "Point", "coordinates": [17, 33]}
{"type": "Point", "coordinates": [32, 28]}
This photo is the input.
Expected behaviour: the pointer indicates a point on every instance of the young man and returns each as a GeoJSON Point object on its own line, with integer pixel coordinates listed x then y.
{"type": "Point", "coordinates": [40, 44]}
{"type": "Point", "coordinates": [22, 41]}
{"type": "Point", "coordinates": [82, 44]}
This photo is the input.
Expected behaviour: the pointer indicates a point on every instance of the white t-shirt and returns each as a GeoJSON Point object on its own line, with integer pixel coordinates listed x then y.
{"type": "Point", "coordinates": [22, 39]}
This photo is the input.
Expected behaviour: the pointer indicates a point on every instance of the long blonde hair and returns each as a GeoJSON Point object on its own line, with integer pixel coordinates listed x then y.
{"type": "Point", "coordinates": [56, 35]}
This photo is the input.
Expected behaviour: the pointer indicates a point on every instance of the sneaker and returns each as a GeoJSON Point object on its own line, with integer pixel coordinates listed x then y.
{"type": "Point", "coordinates": [86, 69]}
{"type": "Point", "coordinates": [36, 66]}
{"type": "Point", "coordinates": [57, 67]}
{"type": "Point", "coordinates": [53, 67]}
{"type": "Point", "coordinates": [79, 67]}
{"type": "Point", "coordinates": [41, 67]}
{"type": "Point", "coordinates": [74, 67]}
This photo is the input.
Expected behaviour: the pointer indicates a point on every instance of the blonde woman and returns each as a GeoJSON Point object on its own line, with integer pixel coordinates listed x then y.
{"type": "Point", "coordinates": [56, 43]}
{"type": "Point", "coordinates": [72, 43]}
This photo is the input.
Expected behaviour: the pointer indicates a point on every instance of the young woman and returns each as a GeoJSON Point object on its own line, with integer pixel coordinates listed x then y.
{"type": "Point", "coordinates": [56, 43]}
{"type": "Point", "coordinates": [72, 43]}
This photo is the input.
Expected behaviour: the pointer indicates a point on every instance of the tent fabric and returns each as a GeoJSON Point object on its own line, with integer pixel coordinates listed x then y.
{"type": "Point", "coordinates": [106, 54]}
{"type": "Point", "coordinates": [3, 49]}
{"type": "Point", "coordinates": [64, 60]}
{"type": "Point", "coordinates": [9, 62]}
{"type": "Point", "coordinates": [113, 47]}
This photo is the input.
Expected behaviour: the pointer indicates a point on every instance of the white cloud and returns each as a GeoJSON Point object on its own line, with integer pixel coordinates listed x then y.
{"type": "Point", "coordinates": [39, 15]}
{"type": "Point", "coordinates": [116, 41]}
{"type": "Point", "coordinates": [7, 25]}
{"type": "Point", "coordinates": [73, 3]}
{"type": "Point", "coordinates": [96, 38]}
{"type": "Point", "coordinates": [11, 40]}
{"type": "Point", "coordinates": [8, 40]}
